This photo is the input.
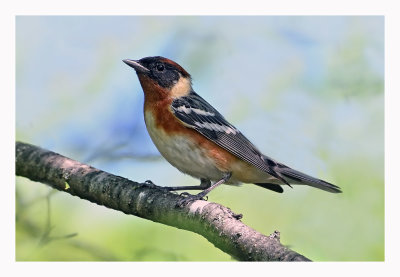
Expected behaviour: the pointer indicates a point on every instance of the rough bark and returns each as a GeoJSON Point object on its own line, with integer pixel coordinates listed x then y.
{"type": "Point", "coordinates": [216, 223]}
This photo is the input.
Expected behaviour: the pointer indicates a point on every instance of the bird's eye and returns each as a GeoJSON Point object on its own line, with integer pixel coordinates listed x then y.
{"type": "Point", "coordinates": [160, 67]}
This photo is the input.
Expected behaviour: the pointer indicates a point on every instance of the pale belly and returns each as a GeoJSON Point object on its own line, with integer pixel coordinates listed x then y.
{"type": "Point", "coordinates": [183, 153]}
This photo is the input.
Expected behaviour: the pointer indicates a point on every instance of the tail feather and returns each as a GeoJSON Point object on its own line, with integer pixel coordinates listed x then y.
{"type": "Point", "coordinates": [297, 177]}
{"type": "Point", "coordinates": [289, 175]}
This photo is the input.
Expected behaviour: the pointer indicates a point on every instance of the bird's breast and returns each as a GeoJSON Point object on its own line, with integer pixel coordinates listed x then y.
{"type": "Point", "coordinates": [183, 149]}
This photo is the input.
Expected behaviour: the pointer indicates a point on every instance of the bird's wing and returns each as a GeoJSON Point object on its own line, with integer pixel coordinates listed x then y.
{"type": "Point", "coordinates": [198, 114]}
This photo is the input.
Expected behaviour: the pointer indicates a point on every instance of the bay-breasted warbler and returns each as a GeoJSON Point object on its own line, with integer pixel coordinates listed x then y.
{"type": "Point", "coordinates": [196, 139]}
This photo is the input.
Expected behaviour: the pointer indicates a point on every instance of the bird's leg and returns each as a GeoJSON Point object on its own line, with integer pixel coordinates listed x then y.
{"type": "Point", "coordinates": [216, 184]}
{"type": "Point", "coordinates": [205, 184]}
{"type": "Point", "coordinates": [200, 195]}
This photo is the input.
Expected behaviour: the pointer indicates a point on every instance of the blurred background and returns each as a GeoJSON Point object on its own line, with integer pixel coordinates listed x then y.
{"type": "Point", "coordinates": [306, 90]}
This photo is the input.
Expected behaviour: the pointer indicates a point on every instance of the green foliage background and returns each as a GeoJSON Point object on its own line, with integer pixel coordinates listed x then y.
{"type": "Point", "coordinates": [308, 91]}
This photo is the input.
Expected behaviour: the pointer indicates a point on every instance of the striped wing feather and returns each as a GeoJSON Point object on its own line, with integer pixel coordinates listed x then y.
{"type": "Point", "coordinates": [198, 114]}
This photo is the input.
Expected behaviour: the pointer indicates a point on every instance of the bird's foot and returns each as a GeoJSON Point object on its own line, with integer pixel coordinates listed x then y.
{"type": "Point", "coordinates": [190, 198]}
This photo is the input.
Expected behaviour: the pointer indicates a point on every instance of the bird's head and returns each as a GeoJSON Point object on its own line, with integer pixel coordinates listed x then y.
{"type": "Point", "coordinates": [162, 75]}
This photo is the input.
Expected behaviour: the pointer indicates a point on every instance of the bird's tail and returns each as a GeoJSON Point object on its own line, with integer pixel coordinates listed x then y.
{"type": "Point", "coordinates": [297, 177]}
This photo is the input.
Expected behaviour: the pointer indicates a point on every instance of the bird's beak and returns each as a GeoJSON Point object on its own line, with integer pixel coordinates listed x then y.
{"type": "Point", "coordinates": [136, 65]}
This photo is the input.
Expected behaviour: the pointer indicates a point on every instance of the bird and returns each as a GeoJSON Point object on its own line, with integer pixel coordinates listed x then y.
{"type": "Point", "coordinates": [196, 139]}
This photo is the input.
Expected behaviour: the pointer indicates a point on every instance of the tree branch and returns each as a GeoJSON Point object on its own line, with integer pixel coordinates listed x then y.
{"type": "Point", "coordinates": [216, 223]}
